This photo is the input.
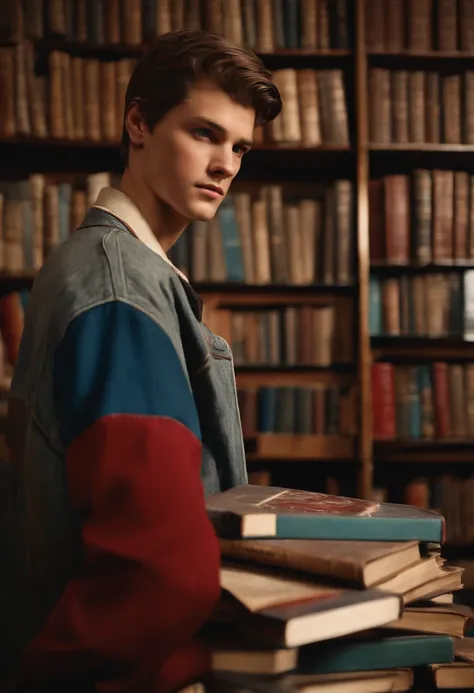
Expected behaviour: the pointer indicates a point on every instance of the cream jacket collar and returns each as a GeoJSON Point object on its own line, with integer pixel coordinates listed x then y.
{"type": "Point", "coordinates": [121, 206]}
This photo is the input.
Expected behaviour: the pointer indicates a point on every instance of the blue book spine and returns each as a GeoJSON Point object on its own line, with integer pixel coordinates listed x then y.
{"type": "Point", "coordinates": [27, 224]}
{"type": "Point", "coordinates": [64, 193]}
{"type": "Point", "coordinates": [375, 307]}
{"type": "Point", "coordinates": [359, 528]}
{"type": "Point", "coordinates": [267, 409]}
{"type": "Point", "coordinates": [291, 24]}
{"type": "Point", "coordinates": [231, 241]}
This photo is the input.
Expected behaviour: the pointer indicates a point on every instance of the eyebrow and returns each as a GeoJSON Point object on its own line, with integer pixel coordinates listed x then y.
{"type": "Point", "coordinates": [215, 126]}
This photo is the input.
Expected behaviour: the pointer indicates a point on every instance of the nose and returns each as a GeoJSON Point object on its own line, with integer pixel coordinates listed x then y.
{"type": "Point", "coordinates": [224, 163]}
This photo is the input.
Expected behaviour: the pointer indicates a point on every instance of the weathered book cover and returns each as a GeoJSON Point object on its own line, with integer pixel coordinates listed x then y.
{"type": "Point", "coordinates": [255, 511]}
{"type": "Point", "coordinates": [359, 563]}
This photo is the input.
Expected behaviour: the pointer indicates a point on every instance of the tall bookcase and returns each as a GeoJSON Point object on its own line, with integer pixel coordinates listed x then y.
{"type": "Point", "coordinates": [381, 35]}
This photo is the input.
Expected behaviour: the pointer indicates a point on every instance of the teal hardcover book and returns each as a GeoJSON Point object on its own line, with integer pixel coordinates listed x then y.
{"type": "Point", "coordinates": [265, 511]}
{"type": "Point", "coordinates": [386, 653]}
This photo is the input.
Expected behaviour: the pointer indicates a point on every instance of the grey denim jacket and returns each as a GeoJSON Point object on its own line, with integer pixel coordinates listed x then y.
{"type": "Point", "coordinates": [40, 535]}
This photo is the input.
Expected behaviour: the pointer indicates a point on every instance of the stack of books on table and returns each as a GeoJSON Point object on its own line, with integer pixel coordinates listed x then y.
{"type": "Point", "coordinates": [334, 595]}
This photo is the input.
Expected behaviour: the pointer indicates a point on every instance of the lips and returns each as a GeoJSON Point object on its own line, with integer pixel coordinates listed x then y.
{"type": "Point", "coordinates": [211, 188]}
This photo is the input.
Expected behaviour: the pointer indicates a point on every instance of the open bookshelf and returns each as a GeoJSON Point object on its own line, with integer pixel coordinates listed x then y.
{"type": "Point", "coordinates": [419, 62]}
{"type": "Point", "coordinates": [401, 73]}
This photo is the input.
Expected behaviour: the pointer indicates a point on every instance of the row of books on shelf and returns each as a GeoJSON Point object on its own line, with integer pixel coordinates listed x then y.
{"type": "Point", "coordinates": [36, 215]}
{"type": "Point", "coordinates": [275, 234]}
{"type": "Point", "coordinates": [449, 494]}
{"type": "Point", "coordinates": [421, 218]}
{"type": "Point", "coordinates": [395, 26]}
{"type": "Point", "coordinates": [83, 99]}
{"type": "Point", "coordinates": [420, 107]}
{"type": "Point", "coordinates": [269, 234]}
{"type": "Point", "coordinates": [429, 401]}
{"type": "Point", "coordinates": [299, 335]}
{"type": "Point", "coordinates": [78, 98]}
{"type": "Point", "coordinates": [428, 305]}
{"type": "Point", "coordinates": [314, 110]}
{"type": "Point", "coordinates": [320, 615]}
{"type": "Point", "coordinates": [316, 409]}
{"type": "Point", "coordinates": [452, 496]}
{"type": "Point", "coordinates": [262, 25]}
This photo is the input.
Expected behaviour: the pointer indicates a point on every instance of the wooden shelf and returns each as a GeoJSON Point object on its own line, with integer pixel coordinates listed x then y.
{"type": "Point", "coordinates": [308, 369]}
{"type": "Point", "coordinates": [10, 283]}
{"type": "Point", "coordinates": [279, 446]}
{"type": "Point", "coordinates": [420, 147]}
{"type": "Point", "coordinates": [444, 55]}
{"type": "Point", "coordinates": [250, 293]}
{"type": "Point", "coordinates": [122, 50]}
{"type": "Point", "coordinates": [436, 451]}
{"type": "Point", "coordinates": [283, 292]}
{"type": "Point", "coordinates": [295, 377]}
{"type": "Point", "coordinates": [416, 344]}
{"type": "Point", "coordinates": [425, 352]}
{"type": "Point", "coordinates": [269, 161]}
{"type": "Point", "coordinates": [401, 158]}
{"type": "Point", "coordinates": [44, 142]}
{"type": "Point", "coordinates": [407, 356]}
{"type": "Point", "coordinates": [413, 269]}
{"type": "Point", "coordinates": [421, 60]}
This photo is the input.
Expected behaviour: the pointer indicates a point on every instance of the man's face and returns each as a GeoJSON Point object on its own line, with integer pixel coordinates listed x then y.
{"type": "Point", "coordinates": [192, 155]}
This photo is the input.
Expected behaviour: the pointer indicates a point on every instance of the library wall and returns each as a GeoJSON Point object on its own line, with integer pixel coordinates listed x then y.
{"type": "Point", "coordinates": [341, 267]}
{"type": "Point", "coordinates": [277, 266]}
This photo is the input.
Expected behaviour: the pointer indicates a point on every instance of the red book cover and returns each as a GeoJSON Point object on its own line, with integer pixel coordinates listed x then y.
{"type": "Point", "coordinates": [383, 401]}
{"type": "Point", "coordinates": [441, 400]}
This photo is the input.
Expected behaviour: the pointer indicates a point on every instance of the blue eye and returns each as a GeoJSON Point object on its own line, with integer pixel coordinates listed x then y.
{"type": "Point", "coordinates": [240, 149]}
{"type": "Point", "coordinates": [205, 133]}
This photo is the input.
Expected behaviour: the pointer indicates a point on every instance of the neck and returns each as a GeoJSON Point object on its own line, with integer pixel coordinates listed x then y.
{"type": "Point", "coordinates": [166, 224]}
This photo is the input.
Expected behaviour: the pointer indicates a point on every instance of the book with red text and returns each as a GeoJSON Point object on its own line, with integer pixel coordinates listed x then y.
{"type": "Point", "coordinates": [264, 511]}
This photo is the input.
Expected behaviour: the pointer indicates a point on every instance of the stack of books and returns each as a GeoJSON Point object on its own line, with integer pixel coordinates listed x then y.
{"type": "Point", "coordinates": [336, 595]}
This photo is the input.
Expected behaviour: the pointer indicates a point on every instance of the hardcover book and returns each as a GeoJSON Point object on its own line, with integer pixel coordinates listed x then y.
{"type": "Point", "coordinates": [264, 511]}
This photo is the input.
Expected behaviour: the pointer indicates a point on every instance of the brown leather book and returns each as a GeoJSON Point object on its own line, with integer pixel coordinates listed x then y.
{"type": "Point", "coordinates": [394, 25]}
{"type": "Point", "coordinates": [466, 25]}
{"type": "Point", "coordinates": [447, 25]}
{"type": "Point", "coordinates": [420, 25]}
{"type": "Point", "coordinates": [433, 107]}
{"type": "Point", "coordinates": [359, 563]}
{"type": "Point", "coordinates": [397, 219]}
{"type": "Point", "coordinates": [92, 91]}
{"type": "Point", "coordinates": [399, 106]}
{"type": "Point", "coordinates": [451, 109]}
{"type": "Point", "coordinates": [416, 106]}
{"type": "Point", "coordinates": [461, 216]}
{"type": "Point", "coordinates": [108, 95]}
{"type": "Point", "coordinates": [380, 130]}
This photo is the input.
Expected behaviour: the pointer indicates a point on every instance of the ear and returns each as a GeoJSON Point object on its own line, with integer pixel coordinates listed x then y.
{"type": "Point", "coordinates": [135, 124]}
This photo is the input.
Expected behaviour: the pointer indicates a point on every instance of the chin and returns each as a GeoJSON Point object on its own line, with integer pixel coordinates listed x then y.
{"type": "Point", "coordinates": [202, 212]}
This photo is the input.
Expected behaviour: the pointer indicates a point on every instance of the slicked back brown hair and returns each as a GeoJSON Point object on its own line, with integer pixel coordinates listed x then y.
{"type": "Point", "coordinates": [177, 60]}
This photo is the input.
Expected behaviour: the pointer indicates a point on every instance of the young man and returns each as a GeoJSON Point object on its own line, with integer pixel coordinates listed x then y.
{"type": "Point", "coordinates": [123, 413]}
